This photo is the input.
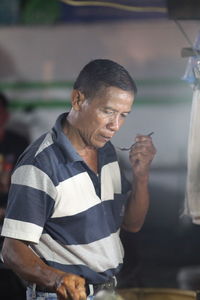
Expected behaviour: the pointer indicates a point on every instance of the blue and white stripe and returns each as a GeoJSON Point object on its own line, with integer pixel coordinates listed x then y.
{"type": "Point", "coordinates": [71, 216]}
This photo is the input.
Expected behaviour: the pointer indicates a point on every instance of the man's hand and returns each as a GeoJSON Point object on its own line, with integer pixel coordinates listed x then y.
{"type": "Point", "coordinates": [141, 155]}
{"type": "Point", "coordinates": [23, 261]}
{"type": "Point", "coordinates": [71, 286]}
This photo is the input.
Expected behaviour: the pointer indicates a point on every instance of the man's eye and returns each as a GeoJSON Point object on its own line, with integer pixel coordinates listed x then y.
{"type": "Point", "coordinates": [108, 112]}
{"type": "Point", "coordinates": [124, 115]}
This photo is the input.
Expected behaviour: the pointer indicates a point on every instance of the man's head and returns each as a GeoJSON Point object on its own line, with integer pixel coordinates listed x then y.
{"type": "Point", "coordinates": [102, 73]}
{"type": "Point", "coordinates": [102, 97]}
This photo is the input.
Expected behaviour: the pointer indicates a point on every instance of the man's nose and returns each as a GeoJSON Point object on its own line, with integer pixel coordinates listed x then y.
{"type": "Point", "coordinates": [114, 124]}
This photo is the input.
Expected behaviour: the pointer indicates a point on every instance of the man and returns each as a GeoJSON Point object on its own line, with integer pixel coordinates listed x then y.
{"type": "Point", "coordinates": [68, 198]}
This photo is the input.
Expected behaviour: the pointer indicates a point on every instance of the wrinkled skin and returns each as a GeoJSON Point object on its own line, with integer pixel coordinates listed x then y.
{"type": "Point", "coordinates": [92, 123]}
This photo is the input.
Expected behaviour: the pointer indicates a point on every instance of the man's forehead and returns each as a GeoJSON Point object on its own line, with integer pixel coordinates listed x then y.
{"type": "Point", "coordinates": [107, 90]}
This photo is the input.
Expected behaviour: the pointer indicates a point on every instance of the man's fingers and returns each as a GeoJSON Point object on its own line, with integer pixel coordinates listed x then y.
{"type": "Point", "coordinates": [80, 288]}
{"type": "Point", "coordinates": [82, 292]}
{"type": "Point", "coordinates": [61, 292]}
{"type": "Point", "coordinates": [145, 148]}
{"type": "Point", "coordinates": [72, 290]}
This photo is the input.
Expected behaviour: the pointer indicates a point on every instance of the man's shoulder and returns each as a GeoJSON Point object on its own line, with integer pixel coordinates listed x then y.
{"type": "Point", "coordinates": [30, 155]}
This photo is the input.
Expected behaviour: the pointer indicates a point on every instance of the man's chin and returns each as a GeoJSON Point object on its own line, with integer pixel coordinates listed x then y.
{"type": "Point", "coordinates": [96, 144]}
{"type": "Point", "coordinates": [100, 145]}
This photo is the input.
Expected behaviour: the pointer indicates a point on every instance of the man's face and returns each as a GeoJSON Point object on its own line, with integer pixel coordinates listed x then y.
{"type": "Point", "coordinates": [100, 118]}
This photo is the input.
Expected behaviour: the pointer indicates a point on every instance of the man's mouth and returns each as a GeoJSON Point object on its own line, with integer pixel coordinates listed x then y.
{"type": "Point", "coordinates": [106, 138]}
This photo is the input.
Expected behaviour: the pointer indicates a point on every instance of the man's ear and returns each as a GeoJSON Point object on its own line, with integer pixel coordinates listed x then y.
{"type": "Point", "coordinates": [77, 99]}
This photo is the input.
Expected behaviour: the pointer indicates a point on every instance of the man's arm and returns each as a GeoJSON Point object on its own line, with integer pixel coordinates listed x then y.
{"type": "Point", "coordinates": [23, 261]}
{"type": "Point", "coordinates": [140, 157]}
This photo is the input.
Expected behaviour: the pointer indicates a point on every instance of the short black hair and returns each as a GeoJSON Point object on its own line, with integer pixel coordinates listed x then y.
{"type": "Point", "coordinates": [4, 100]}
{"type": "Point", "coordinates": [102, 73]}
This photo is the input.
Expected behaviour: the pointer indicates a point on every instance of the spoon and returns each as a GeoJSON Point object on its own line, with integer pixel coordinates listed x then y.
{"type": "Point", "coordinates": [129, 148]}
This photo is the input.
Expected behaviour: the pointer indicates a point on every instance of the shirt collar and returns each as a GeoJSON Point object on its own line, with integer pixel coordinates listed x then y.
{"type": "Point", "coordinates": [62, 140]}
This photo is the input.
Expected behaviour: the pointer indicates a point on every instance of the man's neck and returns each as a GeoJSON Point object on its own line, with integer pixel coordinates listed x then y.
{"type": "Point", "coordinates": [88, 153]}
{"type": "Point", "coordinates": [75, 138]}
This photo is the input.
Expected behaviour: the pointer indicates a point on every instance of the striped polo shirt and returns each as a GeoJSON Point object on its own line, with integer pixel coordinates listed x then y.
{"type": "Point", "coordinates": [70, 215]}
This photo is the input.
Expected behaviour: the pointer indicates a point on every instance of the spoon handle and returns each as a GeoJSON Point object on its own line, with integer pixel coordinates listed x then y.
{"type": "Point", "coordinates": [126, 149]}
